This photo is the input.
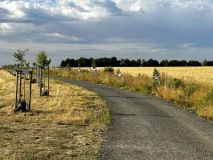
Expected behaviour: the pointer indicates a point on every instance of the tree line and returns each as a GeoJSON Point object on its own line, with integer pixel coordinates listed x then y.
{"type": "Point", "coordinates": [114, 62]}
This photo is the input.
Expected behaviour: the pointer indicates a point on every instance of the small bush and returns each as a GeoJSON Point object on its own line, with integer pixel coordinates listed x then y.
{"type": "Point", "coordinates": [156, 74]}
{"type": "Point", "coordinates": [190, 88]}
{"type": "Point", "coordinates": [84, 71]}
{"type": "Point", "coordinates": [208, 98]}
{"type": "Point", "coordinates": [109, 69]}
{"type": "Point", "coordinates": [176, 83]}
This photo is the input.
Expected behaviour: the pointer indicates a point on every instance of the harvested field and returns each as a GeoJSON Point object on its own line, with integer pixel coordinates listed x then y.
{"type": "Point", "coordinates": [69, 124]}
{"type": "Point", "coordinates": [199, 74]}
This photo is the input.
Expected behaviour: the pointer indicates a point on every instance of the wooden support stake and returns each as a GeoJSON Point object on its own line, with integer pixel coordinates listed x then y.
{"type": "Point", "coordinates": [20, 85]}
{"type": "Point", "coordinates": [41, 76]}
{"type": "Point", "coordinates": [31, 78]}
{"type": "Point", "coordinates": [36, 74]}
{"type": "Point", "coordinates": [48, 80]}
{"type": "Point", "coordinates": [16, 89]}
{"type": "Point", "coordinates": [44, 78]}
{"type": "Point", "coordinates": [24, 84]}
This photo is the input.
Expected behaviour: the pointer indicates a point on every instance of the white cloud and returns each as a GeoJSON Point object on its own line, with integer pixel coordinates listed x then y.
{"type": "Point", "coordinates": [124, 27]}
{"type": "Point", "coordinates": [80, 9]}
{"type": "Point", "coordinates": [15, 8]}
{"type": "Point", "coordinates": [156, 5]}
{"type": "Point", "coordinates": [98, 9]}
{"type": "Point", "coordinates": [5, 27]}
{"type": "Point", "coordinates": [58, 36]}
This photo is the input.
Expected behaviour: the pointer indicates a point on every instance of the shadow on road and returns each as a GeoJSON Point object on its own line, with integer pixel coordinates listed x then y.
{"type": "Point", "coordinates": [127, 97]}
{"type": "Point", "coordinates": [123, 114]}
{"type": "Point", "coordinates": [165, 116]}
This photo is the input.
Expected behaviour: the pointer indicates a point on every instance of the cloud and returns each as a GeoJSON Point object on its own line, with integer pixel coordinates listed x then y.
{"type": "Point", "coordinates": [60, 38]}
{"type": "Point", "coordinates": [5, 27]}
{"type": "Point", "coordinates": [168, 27]}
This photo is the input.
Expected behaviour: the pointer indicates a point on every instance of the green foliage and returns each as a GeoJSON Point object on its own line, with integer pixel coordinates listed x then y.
{"type": "Point", "coordinates": [19, 56]}
{"type": "Point", "coordinates": [156, 73]}
{"type": "Point", "coordinates": [34, 64]}
{"type": "Point", "coordinates": [84, 71]}
{"type": "Point", "coordinates": [93, 65]}
{"type": "Point", "coordinates": [176, 83]}
{"type": "Point", "coordinates": [109, 69]}
{"type": "Point", "coordinates": [156, 79]}
{"type": "Point", "coordinates": [42, 60]}
{"type": "Point", "coordinates": [6, 67]}
{"type": "Point", "coordinates": [208, 98]}
{"type": "Point", "coordinates": [190, 88]}
{"type": "Point", "coordinates": [68, 65]}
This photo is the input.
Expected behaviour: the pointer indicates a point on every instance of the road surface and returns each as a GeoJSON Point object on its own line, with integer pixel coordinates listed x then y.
{"type": "Point", "coordinates": [149, 128]}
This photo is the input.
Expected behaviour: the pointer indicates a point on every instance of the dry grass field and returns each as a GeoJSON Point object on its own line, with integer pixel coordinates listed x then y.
{"type": "Point", "coordinates": [199, 74]}
{"type": "Point", "coordinates": [189, 87]}
{"type": "Point", "coordinates": [69, 124]}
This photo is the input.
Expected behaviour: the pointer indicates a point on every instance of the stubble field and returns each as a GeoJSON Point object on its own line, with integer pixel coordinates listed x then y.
{"type": "Point", "coordinates": [69, 124]}
{"type": "Point", "coordinates": [198, 74]}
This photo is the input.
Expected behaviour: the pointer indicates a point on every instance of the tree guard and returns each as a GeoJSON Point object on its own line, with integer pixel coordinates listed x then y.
{"type": "Point", "coordinates": [23, 90]}
{"type": "Point", "coordinates": [43, 80]}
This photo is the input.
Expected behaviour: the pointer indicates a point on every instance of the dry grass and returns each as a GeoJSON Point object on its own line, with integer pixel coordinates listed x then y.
{"type": "Point", "coordinates": [199, 74]}
{"type": "Point", "coordinates": [69, 124]}
{"type": "Point", "coordinates": [191, 94]}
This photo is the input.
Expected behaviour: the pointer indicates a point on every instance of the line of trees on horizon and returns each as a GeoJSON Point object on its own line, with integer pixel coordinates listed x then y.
{"type": "Point", "coordinates": [114, 62]}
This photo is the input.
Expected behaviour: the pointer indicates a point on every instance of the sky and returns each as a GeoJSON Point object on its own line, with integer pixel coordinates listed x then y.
{"type": "Point", "coordinates": [157, 29]}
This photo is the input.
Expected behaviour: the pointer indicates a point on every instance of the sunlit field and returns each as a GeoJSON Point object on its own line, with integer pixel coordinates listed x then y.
{"type": "Point", "coordinates": [64, 125]}
{"type": "Point", "coordinates": [199, 74]}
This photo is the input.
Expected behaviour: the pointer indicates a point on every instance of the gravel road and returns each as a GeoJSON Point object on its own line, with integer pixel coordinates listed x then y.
{"type": "Point", "coordinates": [149, 128]}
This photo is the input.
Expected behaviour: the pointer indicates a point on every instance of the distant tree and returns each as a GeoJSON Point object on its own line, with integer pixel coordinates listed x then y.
{"type": "Point", "coordinates": [174, 63]}
{"type": "Point", "coordinates": [106, 62]}
{"type": "Point", "coordinates": [164, 63]}
{"type": "Point", "coordinates": [155, 63]}
{"type": "Point", "coordinates": [72, 62]}
{"type": "Point", "coordinates": [148, 63]}
{"type": "Point", "coordinates": [114, 62]}
{"type": "Point", "coordinates": [139, 62]}
{"type": "Point", "coordinates": [42, 60]}
{"type": "Point", "coordinates": [151, 63]}
{"type": "Point", "coordinates": [143, 62]}
{"type": "Point", "coordinates": [7, 66]}
{"type": "Point", "coordinates": [194, 63]}
{"type": "Point", "coordinates": [93, 65]}
{"type": "Point", "coordinates": [126, 62]}
{"type": "Point", "coordinates": [63, 64]}
{"type": "Point", "coordinates": [84, 62]}
{"type": "Point", "coordinates": [122, 62]}
{"type": "Point", "coordinates": [133, 63]}
{"type": "Point", "coordinates": [68, 65]}
{"type": "Point", "coordinates": [183, 63]}
{"type": "Point", "coordinates": [210, 63]}
{"type": "Point", "coordinates": [207, 63]}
